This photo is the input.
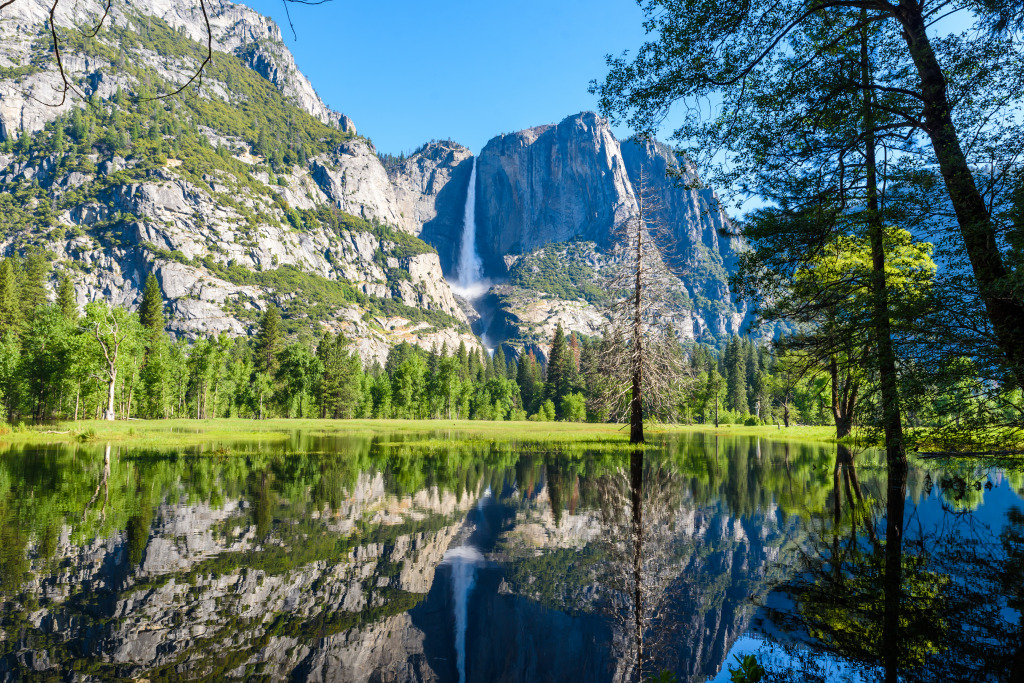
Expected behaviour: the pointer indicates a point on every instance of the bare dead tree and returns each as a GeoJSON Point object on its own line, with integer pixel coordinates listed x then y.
{"type": "Point", "coordinates": [641, 356]}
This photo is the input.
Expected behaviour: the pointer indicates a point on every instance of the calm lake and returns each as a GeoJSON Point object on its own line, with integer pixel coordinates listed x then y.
{"type": "Point", "coordinates": [357, 559]}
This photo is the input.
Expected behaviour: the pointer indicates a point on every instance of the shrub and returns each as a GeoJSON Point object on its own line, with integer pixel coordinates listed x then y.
{"type": "Point", "coordinates": [574, 408]}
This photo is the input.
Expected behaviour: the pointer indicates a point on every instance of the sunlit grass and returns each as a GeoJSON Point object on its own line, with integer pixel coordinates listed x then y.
{"type": "Point", "coordinates": [431, 433]}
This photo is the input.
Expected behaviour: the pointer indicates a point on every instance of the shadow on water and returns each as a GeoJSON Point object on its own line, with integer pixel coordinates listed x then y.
{"type": "Point", "coordinates": [380, 559]}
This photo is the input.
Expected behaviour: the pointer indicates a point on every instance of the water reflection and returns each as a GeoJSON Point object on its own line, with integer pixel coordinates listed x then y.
{"type": "Point", "coordinates": [327, 559]}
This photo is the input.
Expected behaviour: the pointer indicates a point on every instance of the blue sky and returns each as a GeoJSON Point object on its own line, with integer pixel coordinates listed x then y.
{"type": "Point", "coordinates": [407, 72]}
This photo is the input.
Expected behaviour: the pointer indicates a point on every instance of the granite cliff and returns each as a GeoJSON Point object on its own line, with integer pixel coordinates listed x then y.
{"type": "Point", "coordinates": [248, 192]}
{"type": "Point", "coordinates": [251, 192]}
{"type": "Point", "coordinates": [548, 201]}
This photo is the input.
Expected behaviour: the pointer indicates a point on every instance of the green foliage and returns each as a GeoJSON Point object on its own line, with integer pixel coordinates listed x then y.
{"type": "Point", "coordinates": [67, 301]}
{"type": "Point", "coordinates": [268, 342]}
{"type": "Point", "coordinates": [746, 670]}
{"type": "Point", "coordinates": [574, 407]}
{"type": "Point", "coordinates": [559, 270]}
{"type": "Point", "coordinates": [151, 310]}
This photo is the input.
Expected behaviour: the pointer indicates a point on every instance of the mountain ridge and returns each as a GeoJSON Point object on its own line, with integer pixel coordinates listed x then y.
{"type": "Point", "coordinates": [254, 193]}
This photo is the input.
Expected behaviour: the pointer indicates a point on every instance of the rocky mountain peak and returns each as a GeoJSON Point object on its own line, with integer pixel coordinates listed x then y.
{"type": "Point", "coordinates": [236, 30]}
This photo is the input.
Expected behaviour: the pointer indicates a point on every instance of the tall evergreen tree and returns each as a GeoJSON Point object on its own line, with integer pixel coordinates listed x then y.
{"type": "Point", "coordinates": [500, 364]}
{"type": "Point", "coordinates": [10, 303]}
{"type": "Point", "coordinates": [339, 389]}
{"type": "Point", "coordinates": [269, 340]}
{"type": "Point", "coordinates": [67, 301]}
{"type": "Point", "coordinates": [36, 271]}
{"type": "Point", "coordinates": [736, 376]}
{"type": "Point", "coordinates": [528, 377]}
{"type": "Point", "coordinates": [151, 310]}
{"type": "Point", "coordinates": [557, 371]}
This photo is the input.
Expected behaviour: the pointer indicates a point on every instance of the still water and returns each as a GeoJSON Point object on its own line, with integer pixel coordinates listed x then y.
{"type": "Point", "coordinates": [344, 559]}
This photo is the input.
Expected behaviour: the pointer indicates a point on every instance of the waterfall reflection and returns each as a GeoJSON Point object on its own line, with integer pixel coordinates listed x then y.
{"type": "Point", "coordinates": [355, 560]}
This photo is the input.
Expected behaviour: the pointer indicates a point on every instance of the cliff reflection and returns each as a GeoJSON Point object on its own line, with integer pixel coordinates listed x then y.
{"type": "Point", "coordinates": [325, 559]}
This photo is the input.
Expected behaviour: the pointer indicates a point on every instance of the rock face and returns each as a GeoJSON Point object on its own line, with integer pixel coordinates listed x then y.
{"type": "Point", "coordinates": [541, 188]}
{"type": "Point", "coordinates": [431, 187]}
{"type": "Point", "coordinates": [227, 240]}
{"type": "Point", "coordinates": [27, 104]}
{"type": "Point", "coordinates": [550, 184]}
{"type": "Point", "coordinates": [353, 178]}
{"type": "Point", "coordinates": [228, 237]}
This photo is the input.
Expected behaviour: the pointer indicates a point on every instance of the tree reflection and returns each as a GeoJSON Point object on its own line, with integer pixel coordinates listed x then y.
{"type": "Point", "coordinates": [938, 604]}
{"type": "Point", "coordinates": [637, 506]}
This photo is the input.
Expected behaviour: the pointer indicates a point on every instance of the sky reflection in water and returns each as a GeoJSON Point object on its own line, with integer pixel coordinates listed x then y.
{"type": "Point", "coordinates": [353, 559]}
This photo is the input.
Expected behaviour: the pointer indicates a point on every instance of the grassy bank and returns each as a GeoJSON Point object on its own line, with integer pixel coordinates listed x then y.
{"type": "Point", "coordinates": [171, 433]}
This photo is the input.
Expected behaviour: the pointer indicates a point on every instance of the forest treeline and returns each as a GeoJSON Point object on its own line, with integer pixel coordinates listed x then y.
{"type": "Point", "coordinates": [60, 362]}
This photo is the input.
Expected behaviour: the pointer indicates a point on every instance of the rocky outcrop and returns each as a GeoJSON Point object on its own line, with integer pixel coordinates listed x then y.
{"type": "Point", "coordinates": [550, 184]}
{"type": "Point", "coordinates": [541, 188]}
{"type": "Point", "coordinates": [353, 178]}
{"type": "Point", "coordinates": [27, 103]}
{"type": "Point", "coordinates": [225, 243]}
{"type": "Point", "coordinates": [177, 225]}
{"type": "Point", "coordinates": [430, 186]}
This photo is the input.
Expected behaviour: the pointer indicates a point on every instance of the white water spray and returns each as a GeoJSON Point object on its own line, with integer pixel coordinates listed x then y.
{"type": "Point", "coordinates": [471, 268]}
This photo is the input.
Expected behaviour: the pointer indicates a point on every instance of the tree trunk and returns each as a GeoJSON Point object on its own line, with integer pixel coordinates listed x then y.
{"type": "Point", "coordinates": [892, 425]}
{"type": "Point", "coordinates": [78, 396]}
{"type": "Point", "coordinates": [108, 414]}
{"type": "Point", "coordinates": [1005, 310]}
{"type": "Point", "coordinates": [636, 408]}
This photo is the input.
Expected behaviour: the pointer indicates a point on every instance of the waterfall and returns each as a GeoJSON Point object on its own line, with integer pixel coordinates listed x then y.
{"type": "Point", "coordinates": [471, 269]}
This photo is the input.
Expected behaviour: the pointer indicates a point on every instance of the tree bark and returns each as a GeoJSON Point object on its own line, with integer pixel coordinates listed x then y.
{"type": "Point", "coordinates": [108, 414]}
{"type": "Point", "coordinates": [636, 408]}
{"type": "Point", "coordinates": [1005, 311]}
{"type": "Point", "coordinates": [892, 425]}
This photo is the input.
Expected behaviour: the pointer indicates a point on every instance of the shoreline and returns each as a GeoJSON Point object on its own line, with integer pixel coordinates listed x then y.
{"type": "Point", "coordinates": [190, 432]}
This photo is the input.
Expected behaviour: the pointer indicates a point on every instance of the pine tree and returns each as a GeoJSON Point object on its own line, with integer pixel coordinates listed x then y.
{"type": "Point", "coordinates": [500, 364]}
{"type": "Point", "coordinates": [67, 300]}
{"type": "Point", "coordinates": [558, 360]}
{"type": "Point", "coordinates": [528, 379]}
{"type": "Point", "coordinates": [463, 357]}
{"type": "Point", "coordinates": [753, 371]}
{"type": "Point", "coordinates": [33, 284]}
{"type": "Point", "coordinates": [735, 363]}
{"type": "Point", "coordinates": [269, 339]}
{"type": "Point", "coordinates": [10, 304]}
{"type": "Point", "coordinates": [151, 310]}
{"type": "Point", "coordinates": [571, 378]}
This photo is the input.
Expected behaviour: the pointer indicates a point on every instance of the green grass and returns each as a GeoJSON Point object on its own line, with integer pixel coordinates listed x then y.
{"type": "Point", "coordinates": [824, 434]}
{"type": "Point", "coordinates": [434, 432]}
